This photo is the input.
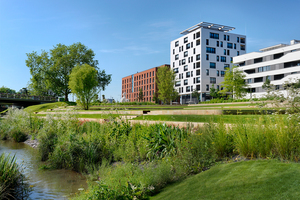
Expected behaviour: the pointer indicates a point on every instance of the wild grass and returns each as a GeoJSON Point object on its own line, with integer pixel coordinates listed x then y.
{"type": "Point", "coordinates": [139, 160]}
{"type": "Point", "coordinates": [12, 184]}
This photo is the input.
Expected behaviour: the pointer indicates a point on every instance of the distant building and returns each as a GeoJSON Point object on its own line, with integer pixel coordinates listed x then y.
{"type": "Point", "coordinates": [279, 63]}
{"type": "Point", "coordinates": [200, 58]}
{"type": "Point", "coordinates": [146, 80]}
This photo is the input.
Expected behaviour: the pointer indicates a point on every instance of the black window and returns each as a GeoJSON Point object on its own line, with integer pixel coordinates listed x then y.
{"type": "Point", "coordinates": [198, 87]}
{"type": "Point", "coordinates": [278, 77]}
{"type": "Point", "coordinates": [188, 88]}
{"type": "Point", "coordinates": [243, 47]}
{"type": "Point", "coordinates": [222, 73]}
{"type": "Point", "coordinates": [176, 57]}
{"type": "Point", "coordinates": [185, 68]}
{"type": "Point", "coordinates": [207, 57]}
{"type": "Point", "coordinates": [185, 39]}
{"type": "Point", "coordinates": [197, 34]}
{"type": "Point", "coordinates": [218, 58]}
{"type": "Point", "coordinates": [207, 42]}
{"type": "Point", "coordinates": [188, 46]}
{"type": "Point", "coordinates": [218, 43]}
{"type": "Point", "coordinates": [177, 83]}
{"type": "Point", "coordinates": [207, 72]}
{"type": "Point", "coordinates": [258, 60]}
{"type": "Point", "coordinates": [224, 37]}
{"type": "Point", "coordinates": [198, 57]}
{"type": "Point", "coordinates": [237, 39]}
{"type": "Point", "coordinates": [197, 72]}
{"type": "Point", "coordinates": [257, 80]}
{"type": "Point", "coordinates": [276, 56]}
{"type": "Point", "coordinates": [218, 73]}
{"type": "Point", "coordinates": [188, 74]}
{"type": "Point", "coordinates": [175, 70]}
{"type": "Point", "coordinates": [207, 87]}
{"type": "Point", "coordinates": [185, 54]}
{"type": "Point", "coordinates": [176, 43]}
{"type": "Point", "coordinates": [228, 38]}
{"type": "Point", "coordinates": [234, 46]}
{"type": "Point", "coordinates": [185, 82]}
{"type": "Point", "coordinates": [243, 40]}
{"type": "Point", "coordinates": [183, 61]}
{"type": "Point", "coordinates": [221, 44]}
{"type": "Point", "coordinates": [197, 42]}
{"type": "Point", "coordinates": [197, 64]}
{"type": "Point", "coordinates": [198, 80]}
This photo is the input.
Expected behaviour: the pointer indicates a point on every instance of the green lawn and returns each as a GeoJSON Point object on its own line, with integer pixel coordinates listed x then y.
{"type": "Point", "coordinates": [261, 179]}
{"type": "Point", "coordinates": [44, 107]}
{"type": "Point", "coordinates": [199, 118]}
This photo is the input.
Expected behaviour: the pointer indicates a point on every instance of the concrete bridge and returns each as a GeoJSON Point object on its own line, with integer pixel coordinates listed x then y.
{"type": "Point", "coordinates": [22, 100]}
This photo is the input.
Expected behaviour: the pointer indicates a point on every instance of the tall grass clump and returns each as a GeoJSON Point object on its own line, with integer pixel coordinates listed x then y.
{"type": "Point", "coordinates": [12, 184]}
{"type": "Point", "coordinates": [15, 126]}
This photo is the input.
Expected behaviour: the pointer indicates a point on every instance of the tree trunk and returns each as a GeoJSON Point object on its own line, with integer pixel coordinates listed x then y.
{"type": "Point", "coordinates": [66, 96]}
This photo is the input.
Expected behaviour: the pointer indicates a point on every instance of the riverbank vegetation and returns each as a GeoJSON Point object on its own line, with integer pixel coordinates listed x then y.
{"type": "Point", "coordinates": [137, 161]}
{"type": "Point", "coordinates": [12, 185]}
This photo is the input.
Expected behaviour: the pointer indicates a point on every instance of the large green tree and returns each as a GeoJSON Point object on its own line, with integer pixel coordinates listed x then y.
{"type": "Point", "coordinates": [84, 84]}
{"type": "Point", "coordinates": [141, 95]}
{"type": "Point", "coordinates": [234, 83]}
{"type": "Point", "coordinates": [165, 79]}
{"type": "Point", "coordinates": [7, 90]}
{"type": "Point", "coordinates": [51, 70]}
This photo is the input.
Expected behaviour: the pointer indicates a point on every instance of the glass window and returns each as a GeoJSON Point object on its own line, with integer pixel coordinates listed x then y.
{"type": "Point", "coordinates": [212, 80]}
{"type": "Point", "coordinates": [212, 65]}
{"type": "Point", "coordinates": [234, 46]}
{"type": "Point", "coordinates": [229, 45]}
{"type": "Point", "coordinates": [218, 58]}
{"type": "Point", "coordinates": [198, 80]}
{"type": "Point", "coordinates": [210, 50]}
{"type": "Point", "coordinates": [185, 68]}
{"type": "Point", "coordinates": [228, 38]}
{"type": "Point", "coordinates": [218, 43]}
{"type": "Point", "coordinates": [188, 46]}
{"type": "Point", "coordinates": [185, 54]}
{"type": "Point", "coordinates": [197, 64]}
{"type": "Point", "coordinates": [222, 73]}
{"type": "Point", "coordinates": [221, 44]}
{"type": "Point", "coordinates": [214, 35]}
{"type": "Point", "coordinates": [176, 56]}
{"type": "Point", "coordinates": [188, 74]}
{"type": "Point", "coordinates": [207, 87]}
{"type": "Point", "coordinates": [238, 39]}
{"type": "Point", "coordinates": [224, 37]}
{"type": "Point", "coordinates": [223, 58]}
{"type": "Point", "coordinates": [207, 72]}
{"type": "Point", "coordinates": [188, 88]}
{"type": "Point", "coordinates": [218, 73]}
{"type": "Point", "coordinates": [185, 39]}
{"type": "Point", "coordinates": [185, 82]}
{"type": "Point", "coordinates": [176, 43]}
{"type": "Point", "coordinates": [197, 72]}
{"type": "Point", "coordinates": [224, 51]}
{"type": "Point", "coordinates": [177, 83]}
{"type": "Point", "coordinates": [197, 34]}
{"type": "Point", "coordinates": [207, 42]}
{"type": "Point", "coordinates": [175, 70]}
{"type": "Point", "coordinates": [183, 61]}
{"type": "Point", "coordinates": [243, 47]}
{"type": "Point", "coordinates": [207, 57]}
{"type": "Point", "coordinates": [198, 57]}
{"type": "Point", "coordinates": [197, 42]}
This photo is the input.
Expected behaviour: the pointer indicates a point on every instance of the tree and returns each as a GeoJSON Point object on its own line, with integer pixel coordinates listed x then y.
{"type": "Point", "coordinates": [195, 94]}
{"type": "Point", "coordinates": [214, 92]}
{"type": "Point", "coordinates": [51, 70]}
{"type": "Point", "coordinates": [141, 95]}
{"type": "Point", "coordinates": [84, 84]}
{"type": "Point", "coordinates": [6, 90]}
{"type": "Point", "coordinates": [165, 79]}
{"type": "Point", "coordinates": [234, 83]}
{"type": "Point", "coordinates": [155, 98]}
{"type": "Point", "coordinates": [268, 87]}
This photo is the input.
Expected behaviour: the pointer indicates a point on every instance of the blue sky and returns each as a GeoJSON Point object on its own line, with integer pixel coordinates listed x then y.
{"type": "Point", "coordinates": [128, 36]}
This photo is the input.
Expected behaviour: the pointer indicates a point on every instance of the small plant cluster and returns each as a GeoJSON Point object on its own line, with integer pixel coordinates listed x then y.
{"type": "Point", "coordinates": [12, 184]}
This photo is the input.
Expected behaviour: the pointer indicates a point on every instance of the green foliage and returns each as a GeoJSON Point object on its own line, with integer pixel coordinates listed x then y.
{"type": "Point", "coordinates": [51, 70]}
{"type": "Point", "coordinates": [11, 179]}
{"type": "Point", "coordinates": [234, 83]}
{"type": "Point", "coordinates": [165, 84]}
{"type": "Point", "coordinates": [83, 82]}
{"type": "Point", "coordinates": [195, 94]}
{"type": "Point", "coordinates": [141, 95]}
{"type": "Point", "coordinates": [213, 92]}
{"type": "Point", "coordinates": [6, 90]}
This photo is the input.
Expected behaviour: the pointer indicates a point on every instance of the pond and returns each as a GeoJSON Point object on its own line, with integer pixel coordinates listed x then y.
{"type": "Point", "coordinates": [47, 184]}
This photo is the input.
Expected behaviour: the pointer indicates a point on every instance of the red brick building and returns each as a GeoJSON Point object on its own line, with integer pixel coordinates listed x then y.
{"type": "Point", "coordinates": [145, 80]}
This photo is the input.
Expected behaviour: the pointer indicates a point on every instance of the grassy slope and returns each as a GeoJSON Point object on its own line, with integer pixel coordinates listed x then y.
{"type": "Point", "coordinates": [44, 107]}
{"type": "Point", "coordinates": [261, 179]}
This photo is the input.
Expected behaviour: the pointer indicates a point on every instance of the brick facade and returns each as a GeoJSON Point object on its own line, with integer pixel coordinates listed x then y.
{"type": "Point", "coordinates": [145, 80]}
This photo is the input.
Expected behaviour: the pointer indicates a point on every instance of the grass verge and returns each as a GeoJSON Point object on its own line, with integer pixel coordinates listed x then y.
{"type": "Point", "coordinates": [44, 107]}
{"type": "Point", "coordinates": [260, 179]}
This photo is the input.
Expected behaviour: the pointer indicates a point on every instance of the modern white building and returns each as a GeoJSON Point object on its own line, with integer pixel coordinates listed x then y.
{"type": "Point", "coordinates": [279, 63]}
{"type": "Point", "coordinates": [200, 58]}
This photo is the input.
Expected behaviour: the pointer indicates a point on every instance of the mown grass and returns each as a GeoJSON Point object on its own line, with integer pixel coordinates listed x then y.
{"type": "Point", "coordinates": [44, 107]}
{"type": "Point", "coordinates": [200, 118]}
{"type": "Point", "coordinates": [260, 179]}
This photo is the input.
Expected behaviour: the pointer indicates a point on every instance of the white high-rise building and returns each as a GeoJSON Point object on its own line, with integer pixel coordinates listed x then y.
{"type": "Point", "coordinates": [200, 58]}
{"type": "Point", "coordinates": [279, 64]}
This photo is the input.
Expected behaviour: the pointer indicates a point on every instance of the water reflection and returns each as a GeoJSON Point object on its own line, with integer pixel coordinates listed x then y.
{"type": "Point", "coordinates": [47, 184]}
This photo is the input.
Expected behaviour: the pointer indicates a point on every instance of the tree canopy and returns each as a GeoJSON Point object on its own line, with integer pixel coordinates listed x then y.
{"type": "Point", "coordinates": [165, 84]}
{"type": "Point", "coordinates": [84, 84]}
{"type": "Point", "coordinates": [6, 90]}
{"type": "Point", "coordinates": [51, 70]}
{"type": "Point", "coordinates": [234, 83]}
